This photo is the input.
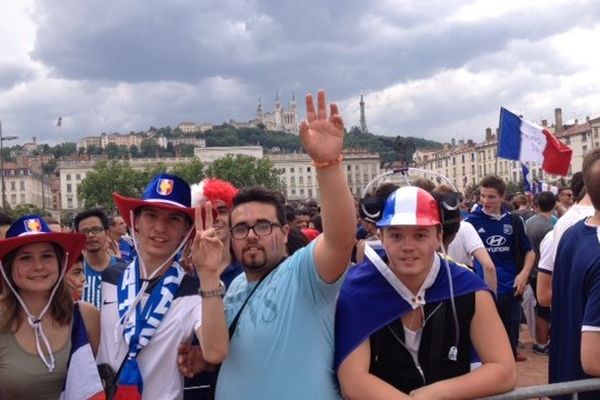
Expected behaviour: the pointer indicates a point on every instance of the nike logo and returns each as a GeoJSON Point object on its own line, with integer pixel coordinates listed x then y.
{"type": "Point", "coordinates": [104, 303]}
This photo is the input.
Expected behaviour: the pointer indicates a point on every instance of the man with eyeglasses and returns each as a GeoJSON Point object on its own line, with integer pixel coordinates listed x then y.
{"type": "Point", "coordinates": [94, 225]}
{"type": "Point", "coordinates": [281, 310]}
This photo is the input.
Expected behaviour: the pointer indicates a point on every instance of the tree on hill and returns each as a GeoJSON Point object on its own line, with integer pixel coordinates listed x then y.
{"type": "Point", "coordinates": [108, 177]}
{"type": "Point", "coordinates": [243, 171]}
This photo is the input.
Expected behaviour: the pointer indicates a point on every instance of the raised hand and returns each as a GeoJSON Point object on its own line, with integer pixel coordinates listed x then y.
{"type": "Point", "coordinates": [322, 135]}
{"type": "Point", "coordinates": [207, 248]}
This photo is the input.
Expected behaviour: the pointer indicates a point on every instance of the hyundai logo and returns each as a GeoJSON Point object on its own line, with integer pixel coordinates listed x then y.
{"type": "Point", "coordinates": [495, 241]}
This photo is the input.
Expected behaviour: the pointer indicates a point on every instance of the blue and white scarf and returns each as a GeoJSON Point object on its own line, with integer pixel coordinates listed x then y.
{"type": "Point", "coordinates": [139, 325]}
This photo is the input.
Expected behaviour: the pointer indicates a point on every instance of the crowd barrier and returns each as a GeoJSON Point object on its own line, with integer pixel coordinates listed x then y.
{"type": "Point", "coordinates": [542, 391]}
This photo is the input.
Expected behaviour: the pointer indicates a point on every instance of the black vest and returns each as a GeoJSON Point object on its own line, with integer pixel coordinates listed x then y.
{"type": "Point", "coordinates": [392, 362]}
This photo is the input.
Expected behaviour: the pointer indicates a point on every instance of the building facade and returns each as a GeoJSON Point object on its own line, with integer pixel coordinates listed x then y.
{"type": "Point", "coordinates": [299, 179]}
{"type": "Point", "coordinates": [22, 186]}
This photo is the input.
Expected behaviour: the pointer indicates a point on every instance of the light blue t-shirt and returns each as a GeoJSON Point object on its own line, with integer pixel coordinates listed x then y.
{"type": "Point", "coordinates": [282, 347]}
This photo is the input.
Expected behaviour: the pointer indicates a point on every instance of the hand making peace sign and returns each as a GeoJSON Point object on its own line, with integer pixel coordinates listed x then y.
{"type": "Point", "coordinates": [207, 248]}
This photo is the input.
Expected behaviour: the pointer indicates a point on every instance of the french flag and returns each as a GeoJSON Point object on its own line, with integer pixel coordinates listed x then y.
{"type": "Point", "coordinates": [523, 141]}
{"type": "Point", "coordinates": [83, 381]}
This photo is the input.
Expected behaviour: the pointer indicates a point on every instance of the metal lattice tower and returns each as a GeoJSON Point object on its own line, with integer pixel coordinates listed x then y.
{"type": "Point", "coordinates": [363, 118]}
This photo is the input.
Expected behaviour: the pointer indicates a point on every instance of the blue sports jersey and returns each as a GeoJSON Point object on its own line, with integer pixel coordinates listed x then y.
{"type": "Point", "coordinates": [127, 250]}
{"type": "Point", "coordinates": [575, 302]}
{"type": "Point", "coordinates": [498, 239]}
{"type": "Point", "coordinates": [92, 290]}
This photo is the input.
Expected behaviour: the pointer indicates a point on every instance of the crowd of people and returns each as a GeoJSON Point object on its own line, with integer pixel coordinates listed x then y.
{"type": "Point", "coordinates": [212, 291]}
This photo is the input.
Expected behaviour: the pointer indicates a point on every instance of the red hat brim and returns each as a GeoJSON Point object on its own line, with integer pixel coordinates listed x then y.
{"type": "Point", "coordinates": [71, 243]}
{"type": "Point", "coordinates": [127, 204]}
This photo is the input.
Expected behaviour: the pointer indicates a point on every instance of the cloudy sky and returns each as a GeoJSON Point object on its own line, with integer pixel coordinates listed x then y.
{"type": "Point", "coordinates": [437, 69]}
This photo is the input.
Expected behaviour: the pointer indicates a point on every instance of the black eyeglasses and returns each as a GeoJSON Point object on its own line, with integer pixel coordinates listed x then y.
{"type": "Point", "coordinates": [263, 228]}
{"type": "Point", "coordinates": [96, 230]}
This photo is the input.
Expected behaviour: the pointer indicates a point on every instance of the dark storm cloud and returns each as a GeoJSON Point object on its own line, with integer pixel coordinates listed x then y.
{"type": "Point", "coordinates": [127, 65]}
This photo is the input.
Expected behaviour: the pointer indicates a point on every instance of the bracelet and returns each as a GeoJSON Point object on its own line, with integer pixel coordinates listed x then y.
{"type": "Point", "coordinates": [219, 292]}
{"type": "Point", "coordinates": [325, 164]}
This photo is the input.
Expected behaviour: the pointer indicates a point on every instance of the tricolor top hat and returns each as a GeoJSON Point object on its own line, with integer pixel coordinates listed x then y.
{"type": "Point", "coordinates": [410, 205]}
{"type": "Point", "coordinates": [164, 191]}
{"type": "Point", "coordinates": [31, 229]}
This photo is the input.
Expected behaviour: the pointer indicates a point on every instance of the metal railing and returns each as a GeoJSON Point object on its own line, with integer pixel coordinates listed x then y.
{"type": "Point", "coordinates": [555, 389]}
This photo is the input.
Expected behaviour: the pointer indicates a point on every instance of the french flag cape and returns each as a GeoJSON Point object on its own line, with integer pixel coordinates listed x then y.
{"type": "Point", "coordinates": [367, 301]}
{"type": "Point", "coordinates": [521, 140]}
{"type": "Point", "coordinates": [83, 381]}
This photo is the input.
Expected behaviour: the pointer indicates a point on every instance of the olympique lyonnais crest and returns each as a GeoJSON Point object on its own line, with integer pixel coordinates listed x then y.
{"type": "Point", "coordinates": [33, 225]}
{"type": "Point", "coordinates": [508, 229]}
{"type": "Point", "coordinates": [164, 187]}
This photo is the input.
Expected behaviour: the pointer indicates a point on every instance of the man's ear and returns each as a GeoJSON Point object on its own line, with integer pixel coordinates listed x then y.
{"type": "Point", "coordinates": [286, 230]}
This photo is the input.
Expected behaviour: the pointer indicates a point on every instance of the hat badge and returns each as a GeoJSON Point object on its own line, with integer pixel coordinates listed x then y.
{"type": "Point", "coordinates": [33, 225]}
{"type": "Point", "coordinates": [164, 187]}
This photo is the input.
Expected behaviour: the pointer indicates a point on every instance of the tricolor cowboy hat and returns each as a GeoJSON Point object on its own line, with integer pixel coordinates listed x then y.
{"type": "Point", "coordinates": [33, 229]}
{"type": "Point", "coordinates": [165, 191]}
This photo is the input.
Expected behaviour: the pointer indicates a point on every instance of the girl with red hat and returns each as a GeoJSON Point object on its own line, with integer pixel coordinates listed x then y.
{"type": "Point", "coordinates": [37, 314]}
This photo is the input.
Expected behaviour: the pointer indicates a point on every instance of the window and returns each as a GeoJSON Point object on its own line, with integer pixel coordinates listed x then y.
{"type": "Point", "coordinates": [69, 188]}
{"type": "Point", "coordinates": [68, 177]}
{"type": "Point", "coordinates": [69, 202]}
{"type": "Point", "coordinates": [307, 169]}
{"type": "Point", "coordinates": [13, 187]}
{"type": "Point", "coordinates": [310, 192]}
{"type": "Point", "coordinates": [584, 137]}
{"type": "Point", "coordinates": [584, 148]}
{"type": "Point", "coordinates": [78, 177]}
{"type": "Point", "coordinates": [13, 199]}
{"type": "Point", "coordinates": [301, 180]}
{"type": "Point", "coordinates": [348, 168]}
{"type": "Point", "coordinates": [22, 197]}
{"type": "Point", "coordinates": [22, 185]}
{"type": "Point", "coordinates": [292, 169]}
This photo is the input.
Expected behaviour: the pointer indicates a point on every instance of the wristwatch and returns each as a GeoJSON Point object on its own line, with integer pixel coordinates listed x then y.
{"type": "Point", "coordinates": [220, 291]}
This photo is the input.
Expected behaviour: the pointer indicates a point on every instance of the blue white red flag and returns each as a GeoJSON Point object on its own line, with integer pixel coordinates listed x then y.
{"type": "Point", "coordinates": [524, 141]}
{"type": "Point", "coordinates": [83, 381]}
{"type": "Point", "coordinates": [526, 181]}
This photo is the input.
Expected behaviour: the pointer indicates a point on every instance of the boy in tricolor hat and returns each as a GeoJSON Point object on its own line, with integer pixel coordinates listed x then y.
{"type": "Point", "coordinates": [406, 322]}
{"type": "Point", "coordinates": [153, 306]}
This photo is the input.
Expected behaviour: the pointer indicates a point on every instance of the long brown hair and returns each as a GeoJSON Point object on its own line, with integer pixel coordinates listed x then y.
{"type": "Point", "coordinates": [11, 318]}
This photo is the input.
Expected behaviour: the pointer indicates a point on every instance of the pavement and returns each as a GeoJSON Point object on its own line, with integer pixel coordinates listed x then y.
{"type": "Point", "coordinates": [534, 371]}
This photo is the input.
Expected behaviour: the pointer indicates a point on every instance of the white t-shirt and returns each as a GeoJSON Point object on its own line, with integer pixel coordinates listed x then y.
{"type": "Point", "coordinates": [576, 213]}
{"type": "Point", "coordinates": [547, 251]}
{"type": "Point", "coordinates": [158, 359]}
{"type": "Point", "coordinates": [467, 240]}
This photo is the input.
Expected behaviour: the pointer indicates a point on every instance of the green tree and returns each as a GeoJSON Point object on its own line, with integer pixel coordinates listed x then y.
{"type": "Point", "coordinates": [405, 147]}
{"type": "Point", "coordinates": [149, 148]}
{"type": "Point", "coordinates": [243, 170]}
{"type": "Point", "coordinates": [108, 177]}
{"type": "Point", "coordinates": [150, 172]}
{"type": "Point", "coordinates": [134, 151]}
{"type": "Point", "coordinates": [49, 167]}
{"type": "Point", "coordinates": [64, 149]}
{"type": "Point", "coordinates": [25, 209]}
{"type": "Point", "coordinates": [112, 151]}
{"type": "Point", "coordinates": [191, 172]}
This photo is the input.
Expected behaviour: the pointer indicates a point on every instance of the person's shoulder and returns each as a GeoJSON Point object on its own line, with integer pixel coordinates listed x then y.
{"type": "Point", "coordinates": [113, 273]}
{"type": "Point", "coordinates": [189, 286]}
